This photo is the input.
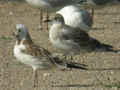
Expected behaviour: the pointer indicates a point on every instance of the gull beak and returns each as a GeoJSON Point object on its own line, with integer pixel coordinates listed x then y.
{"type": "Point", "coordinates": [47, 20]}
{"type": "Point", "coordinates": [15, 34]}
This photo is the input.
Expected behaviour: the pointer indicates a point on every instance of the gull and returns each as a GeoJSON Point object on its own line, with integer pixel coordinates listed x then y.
{"type": "Point", "coordinates": [73, 40]}
{"type": "Point", "coordinates": [96, 4]}
{"type": "Point", "coordinates": [35, 56]}
{"type": "Point", "coordinates": [76, 17]}
{"type": "Point", "coordinates": [50, 6]}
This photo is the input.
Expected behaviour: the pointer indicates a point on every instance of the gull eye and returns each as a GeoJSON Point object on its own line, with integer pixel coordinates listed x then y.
{"type": "Point", "coordinates": [54, 18]}
{"type": "Point", "coordinates": [19, 30]}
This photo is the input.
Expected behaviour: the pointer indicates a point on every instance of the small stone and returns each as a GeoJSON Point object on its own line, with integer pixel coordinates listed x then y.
{"type": "Point", "coordinates": [114, 88]}
{"type": "Point", "coordinates": [46, 74]}
{"type": "Point", "coordinates": [10, 13]}
{"type": "Point", "coordinates": [112, 72]}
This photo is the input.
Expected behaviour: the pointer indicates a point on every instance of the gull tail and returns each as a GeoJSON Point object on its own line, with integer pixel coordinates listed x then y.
{"type": "Point", "coordinates": [68, 65]}
{"type": "Point", "coordinates": [109, 48]}
{"type": "Point", "coordinates": [73, 65]}
{"type": "Point", "coordinates": [103, 47]}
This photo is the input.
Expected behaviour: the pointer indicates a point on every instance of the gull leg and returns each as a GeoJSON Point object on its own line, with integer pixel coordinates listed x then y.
{"type": "Point", "coordinates": [71, 57]}
{"type": "Point", "coordinates": [92, 13]}
{"type": "Point", "coordinates": [41, 19]}
{"type": "Point", "coordinates": [65, 56]}
{"type": "Point", "coordinates": [47, 17]}
{"type": "Point", "coordinates": [35, 79]}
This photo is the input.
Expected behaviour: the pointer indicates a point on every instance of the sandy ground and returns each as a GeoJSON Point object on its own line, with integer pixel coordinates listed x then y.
{"type": "Point", "coordinates": [104, 73]}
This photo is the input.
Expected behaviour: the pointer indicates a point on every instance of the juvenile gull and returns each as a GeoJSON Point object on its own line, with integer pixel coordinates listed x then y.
{"type": "Point", "coordinates": [76, 17]}
{"type": "Point", "coordinates": [74, 40]}
{"type": "Point", "coordinates": [35, 56]}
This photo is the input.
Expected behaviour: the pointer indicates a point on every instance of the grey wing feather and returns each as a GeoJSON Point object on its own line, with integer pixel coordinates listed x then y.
{"type": "Point", "coordinates": [76, 35]}
{"type": "Point", "coordinates": [61, 3]}
{"type": "Point", "coordinates": [83, 39]}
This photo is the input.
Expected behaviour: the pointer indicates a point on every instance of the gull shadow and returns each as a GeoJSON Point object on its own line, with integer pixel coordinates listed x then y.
{"type": "Point", "coordinates": [76, 85]}
{"type": "Point", "coordinates": [116, 22]}
{"type": "Point", "coordinates": [107, 13]}
{"type": "Point", "coordinates": [98, 28]}
{"type": "Point", "coordinates": [103, 69]}
{"type": "Point", "coordinates": [89, 85]}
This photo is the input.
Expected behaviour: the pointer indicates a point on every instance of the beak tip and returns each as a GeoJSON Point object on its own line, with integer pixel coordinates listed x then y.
{"type": "Point", "coordinates": [14, 34]}
{"type": "Point", "coordinates": [47, 20]}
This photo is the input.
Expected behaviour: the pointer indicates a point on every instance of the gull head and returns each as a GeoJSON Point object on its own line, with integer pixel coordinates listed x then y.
{"type": "Point", "coordinates": [58, 19]}
{"type": "Point", "coordinates": [21, 32]}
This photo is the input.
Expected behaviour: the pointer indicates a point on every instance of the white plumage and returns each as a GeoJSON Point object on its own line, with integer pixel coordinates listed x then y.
{"type": "Point", "coordinates": [73, 40]}
{"type": "Point", "coordinates": [76, 17]}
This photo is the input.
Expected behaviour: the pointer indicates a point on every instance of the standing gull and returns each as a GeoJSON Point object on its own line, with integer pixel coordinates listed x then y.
{"type": "Point", "coordinates": [74, 40]}
{"type": "Point", "coordinates": [96, 4]}
{"type": "Point", "coordinates": [50, 6]}
{"type": "Point", "coordinates": [76, 17]}
{"type": "Point", "coordinates": [35, 56]}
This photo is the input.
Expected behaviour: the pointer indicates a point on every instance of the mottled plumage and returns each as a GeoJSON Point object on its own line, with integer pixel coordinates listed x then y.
{"type": "Point", "coordinates": [35, 56]}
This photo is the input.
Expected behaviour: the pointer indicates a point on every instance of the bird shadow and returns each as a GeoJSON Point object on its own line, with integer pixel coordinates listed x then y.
{"type": "Point", "coordinates": [98, 28]}
{"type": "Point", "coordinates": [116, 22]}
{"type": "Point", "coordinates": [76, 85]}
{"type": "Point", "coordinates": [103, 69]}
{"type": "Point", "coordinates": [89, 85]}
{"type": "Point", "coordinates": [87, 68]}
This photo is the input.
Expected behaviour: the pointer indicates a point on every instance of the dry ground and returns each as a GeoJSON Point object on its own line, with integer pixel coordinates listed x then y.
{"type": "Point", "coordinates": [104, 73]}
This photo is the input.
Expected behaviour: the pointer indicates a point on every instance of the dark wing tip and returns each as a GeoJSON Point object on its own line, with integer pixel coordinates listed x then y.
{"type": "Point", "coordinates": [77, 66]}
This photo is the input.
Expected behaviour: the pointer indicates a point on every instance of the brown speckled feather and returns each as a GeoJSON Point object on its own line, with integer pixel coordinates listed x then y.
{"type": "Point", "coordinates": [37, 57]}
{"type": "Point", "coordinates": [36, 51]}
{"type": "Point", "coordinates": [33, 49]}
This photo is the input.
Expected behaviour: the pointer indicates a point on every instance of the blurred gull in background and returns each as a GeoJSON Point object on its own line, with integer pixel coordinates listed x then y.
{"type": "Point", "coordinates": [76, 17]}
{"type": "Point", "coordinates": [51, 6]}
{"type": "Point", "coordinates": [96, 4]}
